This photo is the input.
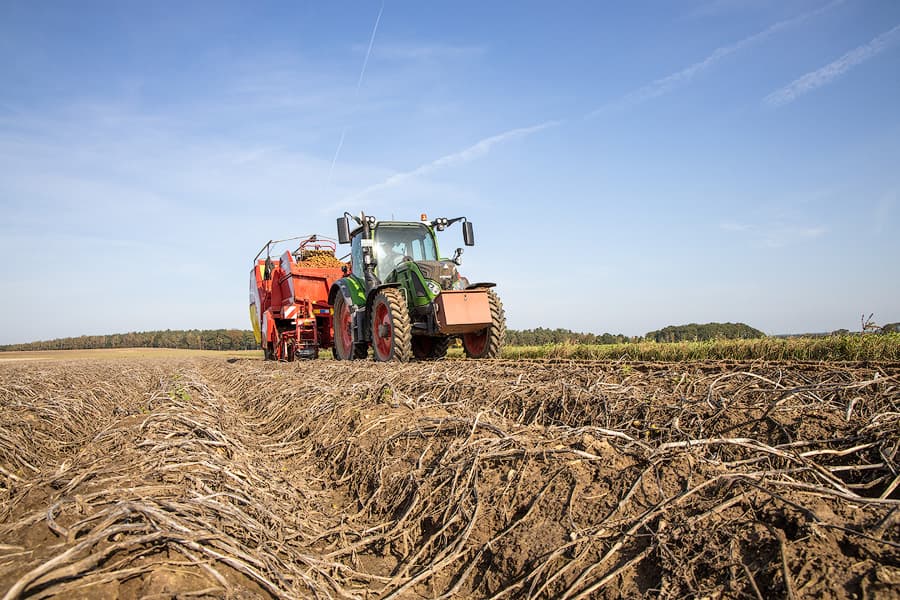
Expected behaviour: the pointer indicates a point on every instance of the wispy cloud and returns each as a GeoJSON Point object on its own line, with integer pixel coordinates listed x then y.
{"type": "Point", "coordinates": [833, 70]}
{"type": "Point", "coordinates": [779, 236]}
{"type": "Point", "coordinates": [666, 84]}
{"type": "Point", "coordinates": [472, 152]}
{"type": "Point", "coordinates": [734, 227]}
{"type": "Point", "coordinates": [775, 235]}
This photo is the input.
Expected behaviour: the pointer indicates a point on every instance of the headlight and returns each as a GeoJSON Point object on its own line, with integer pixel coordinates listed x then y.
{"type": "Point", "coordinates": [434, 287]}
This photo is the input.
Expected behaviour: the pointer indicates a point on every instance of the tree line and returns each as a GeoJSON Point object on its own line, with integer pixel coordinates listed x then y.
{"type": "Point", "coordinates": [191, 339]}
{"type": "Point", "coordinates": [694, 332]}
{"type": "Point", "coordinates": [542, 336]}
{"type": "Point", "coordinates": [240, 339]}
{"type": "Point", "coordinates": [673, 333]}
{"type": "Point", "coordinates": [237, 339]}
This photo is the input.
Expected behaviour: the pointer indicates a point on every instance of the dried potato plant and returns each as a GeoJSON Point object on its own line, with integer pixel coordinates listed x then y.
{"type": "Point", "coordinates": [450, 479]}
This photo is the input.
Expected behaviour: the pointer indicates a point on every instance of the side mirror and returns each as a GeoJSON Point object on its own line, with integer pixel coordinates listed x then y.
{"type": "Point", "coordinates": [456, 256]}
{"type": "Point", "coordinates": [468, 233]}
{"type": "Point", "coordinates": [343, 227]}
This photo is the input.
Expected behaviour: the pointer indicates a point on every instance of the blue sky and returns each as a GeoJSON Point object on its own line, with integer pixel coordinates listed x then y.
{"type": "Point", "coordinates": [626, 165]}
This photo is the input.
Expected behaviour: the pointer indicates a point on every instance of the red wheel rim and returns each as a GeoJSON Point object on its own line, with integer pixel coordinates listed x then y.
{"type": "Point", "coordinates": [344, 329]}
{"type": "Point", "coordinates": [383, 331]}
{"type": "Point", "coordinates": [476, 342]}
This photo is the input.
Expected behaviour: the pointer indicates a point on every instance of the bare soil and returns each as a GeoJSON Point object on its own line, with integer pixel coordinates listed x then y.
{"type": "Point", "coordinates": [205, 478]}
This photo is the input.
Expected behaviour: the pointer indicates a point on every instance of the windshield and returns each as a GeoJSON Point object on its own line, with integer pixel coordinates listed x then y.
{"type": "Point", "coordinates": [396, 241]}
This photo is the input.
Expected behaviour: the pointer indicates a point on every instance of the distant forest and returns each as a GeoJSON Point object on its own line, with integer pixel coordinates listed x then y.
{"type": "Point", "coordinates": [709, 331]}
{"type": "Point", "coordinates": [240, 339]}
{"type": "Point", "coordinates": [193, 339]}
{"type": "Point", "coordinates": [541, 336]}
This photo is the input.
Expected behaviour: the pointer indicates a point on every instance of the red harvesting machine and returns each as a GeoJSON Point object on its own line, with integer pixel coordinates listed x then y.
{"type": "Point", "coordinates": [289, 307]}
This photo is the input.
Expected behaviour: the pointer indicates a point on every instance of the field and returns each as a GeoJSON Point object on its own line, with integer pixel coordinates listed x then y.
{"type": "Point", "coordinates": [189, 476]}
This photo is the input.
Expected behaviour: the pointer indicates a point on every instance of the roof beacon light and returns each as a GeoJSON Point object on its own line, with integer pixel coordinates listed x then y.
{"type": "Point", "coordinates": [424, 217]}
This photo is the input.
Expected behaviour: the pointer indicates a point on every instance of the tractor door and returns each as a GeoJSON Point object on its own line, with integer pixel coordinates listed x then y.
{"type": "Point", "coordinates": [356, 256]}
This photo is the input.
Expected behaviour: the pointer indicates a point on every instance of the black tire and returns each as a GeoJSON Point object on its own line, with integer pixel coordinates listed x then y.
{"type": "Point", "coordinates": [268, 353]}
{"type": "Point", "coordinates": [488, 343]}
{"type": "Point", "coordinates": [429, 348]}
{"type": "Point", "coordinates": [344, 347]}
{"type": "Point", "coordinates": [391, 331]}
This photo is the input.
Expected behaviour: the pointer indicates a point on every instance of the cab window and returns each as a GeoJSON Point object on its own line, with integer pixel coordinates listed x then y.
{"type": "Point", "coordinates": [394, 242]}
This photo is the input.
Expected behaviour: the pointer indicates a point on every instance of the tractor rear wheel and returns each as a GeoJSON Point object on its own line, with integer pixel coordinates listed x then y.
{"type": "Point", "coordinates": [429, 348]}
{"type": "Point", "coordinates": [344, 348]}
{"type": "Point", "coordinates": [488, 342]}
{"type": "Point", "coordinates": [391, 332]}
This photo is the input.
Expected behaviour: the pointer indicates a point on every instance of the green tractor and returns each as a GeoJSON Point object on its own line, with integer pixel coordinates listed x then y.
{"type": "Point", "coordinates": [403, 299]}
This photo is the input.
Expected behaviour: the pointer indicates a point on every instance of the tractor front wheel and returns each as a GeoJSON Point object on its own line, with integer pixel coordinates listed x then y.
{"type": "Point", "coordinates": [488, 342]}
{"type": "Point", "coordinates": [391, 331]}
{"type": "Point", "coordinates": [344, 348]}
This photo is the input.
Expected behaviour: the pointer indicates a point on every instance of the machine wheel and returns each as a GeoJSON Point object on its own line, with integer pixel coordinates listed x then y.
{"type": "Point", "coordinates": [488, 342]}
{"type": "Point", "coordinates": [391, 332]}
{"type": "Point", "coordinates": [268, 353]}
{"type": "Point", "coordinates": [429, 348]}
{"type": "Point", "coordinates": [344, 348]}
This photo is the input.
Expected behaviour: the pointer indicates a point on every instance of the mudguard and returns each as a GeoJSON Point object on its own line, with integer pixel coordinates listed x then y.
{"type": "Point", "coordinates": [350, 288]}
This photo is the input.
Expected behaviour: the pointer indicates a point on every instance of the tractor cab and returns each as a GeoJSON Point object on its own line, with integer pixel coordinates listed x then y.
{"type": "Point", "coordinates": [396, 243]}
{"type": "Point", "coordinates": [391, 244]}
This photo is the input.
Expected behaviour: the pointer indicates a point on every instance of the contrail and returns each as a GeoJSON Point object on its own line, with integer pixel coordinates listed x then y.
{"type": "Point", "coordinates": [477, 149]}
{"type": "Point", "coordinates": [337, 152]}
{"type": "Point", "coordinates": [668, 83]}
{"type": "Point", "coordinates": [369, 51]}
{"type": "Point", "coordinates": [831, 71]}
{"type": "Point", "coordinates": [362, 74]}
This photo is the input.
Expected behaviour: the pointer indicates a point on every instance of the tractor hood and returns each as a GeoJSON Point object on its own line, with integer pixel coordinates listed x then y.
{"type": "Point", "coordinates": [443, 272]}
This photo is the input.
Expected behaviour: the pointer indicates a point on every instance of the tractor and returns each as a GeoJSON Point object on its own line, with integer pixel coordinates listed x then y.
{"type": "Point", "coordinates": [405, 301]}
